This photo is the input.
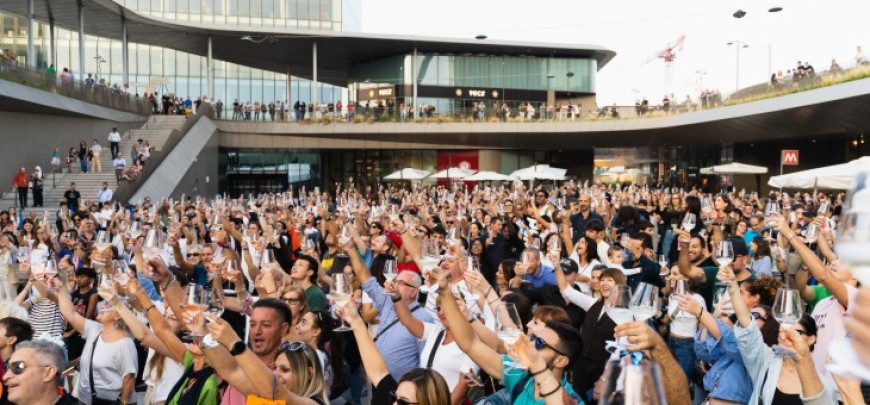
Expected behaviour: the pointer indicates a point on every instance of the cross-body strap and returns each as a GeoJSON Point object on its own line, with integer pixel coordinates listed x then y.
{"type": "Point", "coordinates": [518, 389]}
{"type": "Point", "coordinates": [393, 323]}
{"type": "Point", "coordinates": [91, 367]}
{"type": "Point", "coordinates": [438, 341]}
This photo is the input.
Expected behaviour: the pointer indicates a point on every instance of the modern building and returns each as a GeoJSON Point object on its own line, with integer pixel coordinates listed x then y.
{"type": "Point", "coordinates": [164, 69]}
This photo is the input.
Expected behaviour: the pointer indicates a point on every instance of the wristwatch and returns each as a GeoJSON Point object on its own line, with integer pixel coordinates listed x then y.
{"type": "Point", "coordinates": [208, 342]}
{"type": "Point", "coordinates": [397, 298]}
{"type": "Point", "coordinates": [238, 348]}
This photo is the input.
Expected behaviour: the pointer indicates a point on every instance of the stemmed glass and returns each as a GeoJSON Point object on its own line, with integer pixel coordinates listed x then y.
{"type": "Point", "coordinates": [508, 328]}
{"type": "Point", "coordinates": [618, 307]}
{"type": "Point", "coordinates": [663, 262]}
{"type": "Point", "coordinates": [134, 230]}
{"type": "Point", "coordinates": [632, 381]}
{"type": "Point", "coordinates": [770, 208]}
{"type": "Point", "coordinates": [23, 253]}
{"type": "Point", "coordinates": [390, 270]}
{"type": "Point", "coordinates": [724, 253]}
{"type": "Point", "coordinates": [153, 246]}
{"type": "Point", "coordinates": [215, 303]}
{"type": "Point", "coordinates": [267, 258]}
{"type": "Point", "coordinates": [681, 289]}
{"type": "Point", "coordinates": [644, 302]}
{"type": "Point", "coordinates": [101, 243]}
{"type": "Point", "coordinates": [341, 295]}
{"type": "Point", "coordinates": [811, 235]}
{"type": "Point", "coordinates": [430, 258]}
{"type": "Point", "coordinates": [195, 303]}
{"type": "Point", "coordinates": [554, 245]}
{"type": "Point", "coordinates": [121, 273]}
{"type": "Point", "coordinates": [787, 310]}
{"type": "Point", "coordinates": [689, 222]}
{"type": "Point", "coordinates": [723, 298]}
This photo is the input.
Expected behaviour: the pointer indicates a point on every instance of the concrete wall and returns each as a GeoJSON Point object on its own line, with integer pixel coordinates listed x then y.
{"type": "Point", "coordinates": [29, 139]}
{"type": "Point", "coordinates": [202, 176]}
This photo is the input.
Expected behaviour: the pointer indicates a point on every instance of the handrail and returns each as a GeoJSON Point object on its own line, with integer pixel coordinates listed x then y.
{"type": "Point", "coordinates": [77, 89]}
{"type": "Point", "coordinates": [127, 189]}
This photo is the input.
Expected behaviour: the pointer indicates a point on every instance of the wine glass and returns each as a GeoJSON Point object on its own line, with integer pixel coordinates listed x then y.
{"type": "Point", "coordinates": [724, 253]}
{"type": "Point", "coordinates": [23, 254]}
{"type": "Point", "coordinates": [722, 296]}
{"type": "Point", "coordinates": [341, 294]}
{"type": "Point", "coordinates": [390, 270]}
{"type": "Point", "coordinates": [689, 222]}
{"type": "Point", "coordinates": [121, 273]}
{"type": "Point", "coordinates": [674, 224]}
{"type": "Point", "coordinates": [629, 381]}
{"type": "Point", "coordinates": [770, 208]}
{"type": "Point", "coordinates": [267, 258]}
{"type": "Point", "coordinates": [509, 328]}
{"type": "Point", "coordinates": [101, 242]}
{"type": "Point", "coordinates": [644, 302]}
{"type": "Point", "coordinates": [681, 289]}
{"type": "Point", "coordinates": [195, 303]}
{"type": "Point", "coordinates": [811, 235]}
{"type": "Point", "coordinates": [663, 261]}
{"type": "Point", "coordinates": [554, 245]}
{"type": "Point", "coordinates": [134, 230]}
{"type": "Point", "coordinates": [787, 310]}
{"type": "Point", "coordinates": [215, 303]}
{"type": "Point", "coordinates": [153, 246]}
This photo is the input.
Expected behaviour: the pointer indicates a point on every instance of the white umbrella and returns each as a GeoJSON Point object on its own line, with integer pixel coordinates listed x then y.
{"type": "Point", "coordinates": [488, 176]}
{"type": "Point", "coordinates": [837, 177]}
{"type": "Point", "coordinates": [734, 168]}
{"type": "Point", "coordinates": [407, 174]}
{"type": "Point", "coordinates": [452, 173]}
{"type": "Point", "coordinates": [540, 172]}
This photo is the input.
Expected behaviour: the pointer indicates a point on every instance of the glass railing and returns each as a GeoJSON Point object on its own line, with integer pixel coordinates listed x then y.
{"type": "Point", "coordinates": [79, 90]}
{"type": "Point", "coordinates": [494, 112]}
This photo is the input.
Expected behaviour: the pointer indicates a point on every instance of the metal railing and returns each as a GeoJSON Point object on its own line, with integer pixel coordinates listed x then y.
{"type": "Point", "coordinates": [79, 90]}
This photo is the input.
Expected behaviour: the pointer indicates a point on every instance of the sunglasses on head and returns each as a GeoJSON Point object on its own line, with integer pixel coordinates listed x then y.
{"type": "Point", "coordinates": [292, 346]}
{"type": "Point", "coordinates": [540, 343]}
{"type": "Point", "coordinates": [757, 316]}
{"type": "Point", "coordinates": [399, 401]}
{"type": "Point", "coordinates": [18, 367]}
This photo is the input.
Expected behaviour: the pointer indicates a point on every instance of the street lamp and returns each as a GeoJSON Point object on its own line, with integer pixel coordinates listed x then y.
{"type": "Point", "coordinates": [481, 37]}
{"type": "Point", "coordinates": [100, 60]}
{"type": "Point", "coordinates": [738, 44]}
{"type": "Point", "coordinates": [701, 73]}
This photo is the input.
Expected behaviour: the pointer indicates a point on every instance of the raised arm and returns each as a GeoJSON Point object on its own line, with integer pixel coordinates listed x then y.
{"type": "Point", "coordinates": [360, 270]}
{"type": "Point", "coordinates": [814, 263]}
{"type": "Point", "coordinates": [488, 359]}
{"type": "Point", "coordinates": [139, 330]}
{"type": "Point", "coordinates": [162, 339]}
{"type": "Point", "coordinates": [64, 303]}
{"type": "Point", "coordinates": [694, 273]}
{"type": "Point", "coordinates": [374, 364]}
{"type": "Point", "coordinates": [675, 384]}
{"type": "Point", "coordinates": [414, 325]}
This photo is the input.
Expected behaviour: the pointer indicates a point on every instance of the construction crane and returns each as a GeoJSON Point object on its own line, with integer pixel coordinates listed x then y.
{"type": "Point", "coordinates": [668, 54]}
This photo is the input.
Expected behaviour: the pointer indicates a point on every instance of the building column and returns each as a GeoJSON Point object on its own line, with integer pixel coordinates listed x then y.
{"type": "Point", "coordinates": [289, 85]}
{"type": "Point", "coordinates": [81, 39]}
{"type": "Point", "coordinates": [209, 74]}
{"type": "Point", "coordinates": [31, 58]}
{"type": "Point", "coordinates": [416, 108]}
{"type": "Point", "coordinates": [125, 55]}
{"type": "Point", "coordinates": [314, 87]}
{"type": "Point", "coordinates": [53, 51]}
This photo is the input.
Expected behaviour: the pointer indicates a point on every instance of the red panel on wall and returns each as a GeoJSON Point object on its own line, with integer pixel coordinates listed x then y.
{"type": "Point", "coordinates": [467, 159]}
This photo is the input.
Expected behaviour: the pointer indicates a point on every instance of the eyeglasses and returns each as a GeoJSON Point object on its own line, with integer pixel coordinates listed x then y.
{"type": "Point", "coordinates": [18, 367]}
{"type": "Point", "coordinates": [291, 300]}
{"type": "Point", "coordinates": [540, 343]}
{"type": "Point", "coordinates": [405, 283]}
{"type": "Point", "coordinates": [195, 254]}
{"type": "Point", "coordinates": [400, 401]}
{"type": "Point", "coordinates": [757, 316]}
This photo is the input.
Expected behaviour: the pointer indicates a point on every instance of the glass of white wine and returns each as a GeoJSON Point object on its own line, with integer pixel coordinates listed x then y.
{"type": "Point", "coordinates": [341, 294]}
{"type": "Point", "coordinates": [509, 328]}
{"type": "Point", "coordinates": [195, 303]}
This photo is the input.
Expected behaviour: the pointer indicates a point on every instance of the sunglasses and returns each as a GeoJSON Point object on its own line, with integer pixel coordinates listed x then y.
{"type": "Point", "coordinates": [18, 367]}
{"type": "Point", "coordinates": [757, 316]}
{"type": "Point", "coordinates": [400, 401]}
{"type": "Point", "coordinates": [540, 343]}
{"type": "Point", "coordinates": [195, 254]}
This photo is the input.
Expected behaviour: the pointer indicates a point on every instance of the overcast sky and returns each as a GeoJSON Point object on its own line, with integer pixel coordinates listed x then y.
{"type": "Point", "coordinates": [812, 30]}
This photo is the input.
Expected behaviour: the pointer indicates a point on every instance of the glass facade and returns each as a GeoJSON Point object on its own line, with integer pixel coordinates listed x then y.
{"type": "Point", "coordinates": [453, 84]}
{"type": "Point", "coordinates": [186, 73]}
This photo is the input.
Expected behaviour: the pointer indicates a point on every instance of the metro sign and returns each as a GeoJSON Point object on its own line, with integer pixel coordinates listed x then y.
{"type": "Point", "coordinates": [790, 157]}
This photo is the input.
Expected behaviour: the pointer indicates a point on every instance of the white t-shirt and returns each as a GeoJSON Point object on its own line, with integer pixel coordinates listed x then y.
{"type": "Point", "coordinates": [684, 324]}
{"type": "Point", "coordinates": [586, 288]}
{"type": "Point", "coordinates": [112, 361]}
{"type": "Point", "coordinates": [603, 248]}
{"type": "Point", "coordinates": [172, 372]}
{"type": "Point", "coordinates": [449, 359]}
{"type": "Point", "coordinates": [829, 316]}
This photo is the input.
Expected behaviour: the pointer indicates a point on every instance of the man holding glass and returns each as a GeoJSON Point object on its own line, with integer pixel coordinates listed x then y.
{"type": "Point", "coordinates": [533, 271]}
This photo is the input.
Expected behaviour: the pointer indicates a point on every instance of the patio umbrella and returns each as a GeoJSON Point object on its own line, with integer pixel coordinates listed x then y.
{"type": "Point", "coordinates": [837, 177]}
{"type": "Point", "coordinates": [540, 172]}
{"type": "Point", "coordinates": [734, 168]}
{"type": "Point", "coordinates": [407, 174]}
{"type": "Point", "coordinates": [488, 176]}
{"type": "Point", "coordinates": [452, 173]}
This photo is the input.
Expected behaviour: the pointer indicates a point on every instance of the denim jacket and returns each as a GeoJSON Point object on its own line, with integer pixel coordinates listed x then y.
{"type": "Point", "coordinates": [727, 379]}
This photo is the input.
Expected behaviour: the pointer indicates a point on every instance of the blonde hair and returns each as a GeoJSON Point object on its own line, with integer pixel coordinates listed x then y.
{"type": "Point", "coordinates": [308, 380]}
{"type": "Point", "coordinates": [431, 387]}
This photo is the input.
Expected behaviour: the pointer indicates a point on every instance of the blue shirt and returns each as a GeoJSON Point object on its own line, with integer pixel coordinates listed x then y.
{"type": "Point", "coordinates": [512, 376]}
{"type": "Point", "coordinates": [728, 379]}
{"type": "Point", "coordinates": [545, 276]}
{"type": "Point", "coordinates": [400, 348]}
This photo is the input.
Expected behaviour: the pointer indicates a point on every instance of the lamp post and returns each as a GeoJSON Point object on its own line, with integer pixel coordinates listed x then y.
{"type": "Point", "coordinates": [737, 44]}
{"type": "Point", "coordinates": [100, 60]}
{"type": "Point", "coordinates": [701, 73]}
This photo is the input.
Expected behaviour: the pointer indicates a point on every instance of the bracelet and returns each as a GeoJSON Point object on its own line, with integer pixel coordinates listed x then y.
{"type": "Point", "coordinates": [788, 240]}
{"type": "Point", "coordinates": [534, 373]}
{"type": "Point", "coordinates": [700, 313]}
{"type": "Point", "coordinates": [168, 284]}
{"type": "Point", "coordinates": [558, 387]}
{"type": "Point", "coordinates": [472, 319]}
{"type": "Point", "coordinates": [148, 309]}
{"type": "Point", "coordinates": [490, 302]}
{"type": "Point", "coordinates": [489, 290]}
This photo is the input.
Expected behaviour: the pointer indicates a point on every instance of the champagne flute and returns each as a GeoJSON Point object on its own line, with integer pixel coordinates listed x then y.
{"type": "Point", "coordinates": [390, 270]}
{"type": "Point", "coordinates": [195, 303]}
{"type": "Point", "coordinates": [341, 294]}
{"type": "Point", "coordinates": [508, 328]}
{"type": "Point", "coordinates": [787, 310]}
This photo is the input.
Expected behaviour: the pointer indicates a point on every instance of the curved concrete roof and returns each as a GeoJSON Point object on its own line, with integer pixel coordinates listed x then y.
{"type": "Point", "coordinates": [292, 50]}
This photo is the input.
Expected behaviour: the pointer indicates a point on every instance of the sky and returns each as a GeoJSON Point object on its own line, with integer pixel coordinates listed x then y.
{"type": "Point", "coordinates": [806, 30]}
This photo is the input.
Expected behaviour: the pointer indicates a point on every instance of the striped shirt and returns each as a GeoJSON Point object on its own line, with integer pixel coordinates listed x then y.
{"type": "Point", "coordinates": [45, 316]}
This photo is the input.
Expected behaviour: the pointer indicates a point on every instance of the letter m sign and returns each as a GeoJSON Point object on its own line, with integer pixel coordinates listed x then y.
{"type": "Point", "coordinates": [790, 157]}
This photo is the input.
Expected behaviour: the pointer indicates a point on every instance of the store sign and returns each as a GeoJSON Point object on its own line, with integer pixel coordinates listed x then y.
{"type": "Point", "coordinates": [790, 157]}
{"type": "Point", "coordinates": [378, 93]}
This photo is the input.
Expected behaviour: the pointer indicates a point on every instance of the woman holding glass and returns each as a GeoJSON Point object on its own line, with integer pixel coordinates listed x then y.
{"type": "Point", "coordinates": [786, 376]}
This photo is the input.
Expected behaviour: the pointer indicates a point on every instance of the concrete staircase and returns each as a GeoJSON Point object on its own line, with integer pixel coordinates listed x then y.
{"type": "Point", "coordinates": [156, 131]}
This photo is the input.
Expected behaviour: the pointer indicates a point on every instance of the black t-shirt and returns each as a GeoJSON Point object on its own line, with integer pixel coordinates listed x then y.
{"type": "Point", "coordinates": [381, 394]}
{"type": "Point", "coordinates": [72, 198]}
{"type": "Point", "coordinates": [549, 294]}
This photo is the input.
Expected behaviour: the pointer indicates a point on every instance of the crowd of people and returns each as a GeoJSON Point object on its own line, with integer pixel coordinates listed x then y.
{"type": "Point", "coordinates": [803, 74]}
{"type": "Point", "coordinates": [431, 295]}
